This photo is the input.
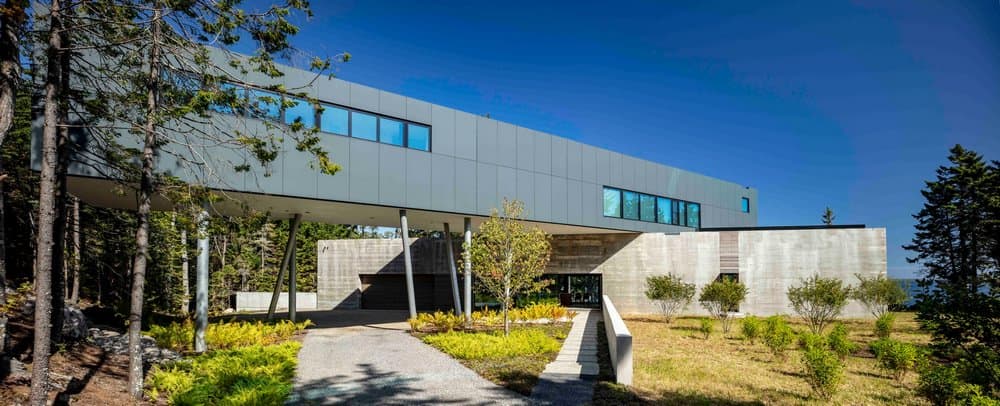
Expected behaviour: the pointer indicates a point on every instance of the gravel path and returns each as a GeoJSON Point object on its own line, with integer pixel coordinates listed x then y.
{"type": "Point", "coordinates": [367, 357]}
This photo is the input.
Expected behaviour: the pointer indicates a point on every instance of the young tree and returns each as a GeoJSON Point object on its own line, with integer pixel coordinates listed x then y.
{"type": "Point", "coordinates": [878, 294]}
{"type": "Point", "coordinates": [957, 243]}
{"type": "Point", "coordinates": [819, 300]}
{"type": "Point", "coordinates": [828, 216]}
{"type": "Point", "coordinates": [508, 257]}
{"type": "Point", "coordinates": [722, 297]}
{"type": "Point", "coordinates": [670, 293]}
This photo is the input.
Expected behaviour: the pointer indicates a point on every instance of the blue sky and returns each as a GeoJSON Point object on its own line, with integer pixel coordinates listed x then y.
{"type": "Point", "coordinates": [847, 105]}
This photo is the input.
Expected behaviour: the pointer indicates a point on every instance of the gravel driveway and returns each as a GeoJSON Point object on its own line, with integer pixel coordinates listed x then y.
{"type": "Point", "coordinates": [367, 357]}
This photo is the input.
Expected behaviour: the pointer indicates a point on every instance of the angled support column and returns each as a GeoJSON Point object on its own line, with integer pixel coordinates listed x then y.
{"type": "Point", "coordinates": [288, 258]}
{"type": "Point", "coordinates": [201, 286]}
{"type": "Point", "coordinates": [468, 270]}
{"type": "Point", "coordinates": [452, 271]}
{"type": "Point", "coordinates": [408, 264]}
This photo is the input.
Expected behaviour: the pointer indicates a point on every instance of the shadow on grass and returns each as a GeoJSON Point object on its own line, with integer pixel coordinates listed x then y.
{"type": "Point", "coordinates": [608, 393]}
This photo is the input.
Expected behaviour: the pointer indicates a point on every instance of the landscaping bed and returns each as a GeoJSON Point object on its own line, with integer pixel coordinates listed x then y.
{"type": "Point", "coordinates": [676, 364]}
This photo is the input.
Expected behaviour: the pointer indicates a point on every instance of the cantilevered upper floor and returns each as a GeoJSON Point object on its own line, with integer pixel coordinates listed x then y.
{"type": "Point", "coordinates": [440, 163]}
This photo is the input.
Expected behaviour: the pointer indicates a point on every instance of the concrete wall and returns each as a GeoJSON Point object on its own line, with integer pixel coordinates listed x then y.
{"type": "Point", "coordinates": [260, 301]}
{"type": "Point", "coordinates": [769, 261]}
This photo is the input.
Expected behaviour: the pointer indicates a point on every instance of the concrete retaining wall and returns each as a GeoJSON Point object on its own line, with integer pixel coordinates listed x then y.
{"type": "Point", "coordinates": [260, 301]}
{"type": "Point", "coordinates": [619, 342]}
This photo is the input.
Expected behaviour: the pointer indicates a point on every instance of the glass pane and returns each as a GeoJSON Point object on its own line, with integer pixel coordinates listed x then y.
{"type": "Point", "coordinates": [663, 212]}
{"type": "Point", "coordinates": [418, 137]}
{"type": "Point", "coordinates": [333, 120]}
{"type": "Point", "coordinates": [682, 213]}
{"type": "Point", "coordinates": [390, 131]}
{"type": "Point", "coordinates": [647, 208]}
{"type": "Point", "coordinates": [264, 104]}
{"type": "Point", "coordinates": [231, 100]}
{"type": "Point", "coordinates": [630, 205]}
{"type": "Point", "coordinates": [302, 111]}
{"type": "Point", "coordinates": [694, 215]}
{"type": "Point", "coordinates": [363, 126]}
{"type": "Point", "coordinates": [612, 202]}
{"type": "Point", "coordinates": [675, 217]}
{"type": "Point", "coordinates": [745, 205]}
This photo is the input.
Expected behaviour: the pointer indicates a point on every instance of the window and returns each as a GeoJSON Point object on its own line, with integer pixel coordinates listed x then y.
{"type": "Point", "coordinates": [612, 202]}
{"type": "Point", "coordinates": [333, 120]}
{"type": "Point", "coordinates": [264, 104]}
{"type": "Point", "coordinates": [663, 210]}
{"type": "Point", "coordinates": [418, 137]}
{"type": "Point", "coordinates": [230, 98]}
{"type": "Point", "coordinates": [647, 208]}
{"type": "Point", "coordinates": [364, 126]}
{"type": "Point", "coordinates": [675, 215]}
{"type": "Point", "coordinates": [682, 213]}
{"type": "Point", "coordinates": [390, 131]}
{"type": "Point", "coordinates": [301, 111]}
{"type": "Point", "coordinates": [630, 205]}
{"type": "Point", "coordinates": [745, 204]}
{"type": "Point", "coordinates": [694, 215]}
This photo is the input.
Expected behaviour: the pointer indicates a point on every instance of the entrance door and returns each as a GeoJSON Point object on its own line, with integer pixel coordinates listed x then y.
{"type": "Point", "coordinates": [578, 290]}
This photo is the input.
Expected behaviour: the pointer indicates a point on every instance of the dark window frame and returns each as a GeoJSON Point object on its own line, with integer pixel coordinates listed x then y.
{"type": "Point", "coordinates": [745, 204]}
{"type": "Point", "coordinates": [673, 209]}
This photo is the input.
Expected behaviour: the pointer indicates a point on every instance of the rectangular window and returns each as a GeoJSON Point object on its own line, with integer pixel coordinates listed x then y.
{"type": "Point", "coordinates": [364, 126]}
{"type": "Point", "coordinates": [302, 111]}
{"type": "Point", "coordinates": [333, 120]}
{"type": "Point", "coordinates": [418, 137]}
{"type": "Point", "coordinates": [647, 208]}
{"type": "Point", "coordinates": [674, 216]}
{"type": "Point", "coordinates": [663, 210]}
{"type": "Point", "coordinates": [230, 99]}
{"type": "Point", "coordinates": [264, 104]}
{"type": "Point", "coordinates": [682, 213]}
{"type": "Point", "coordinates": [745, 204]}
{"type": "Point", "coordinates": [390, 131]}
{"type": "Point", "coordinates": [612, 202]}
{"type": "Point", "coordinates": [630, 205]}
{"type": "Point", "coordinates": [694, 215]}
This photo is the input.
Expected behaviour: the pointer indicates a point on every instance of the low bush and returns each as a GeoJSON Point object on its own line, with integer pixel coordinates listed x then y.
{"type": "Point", "coordinates": [751, 327]}
{"type": "Point", "coordinates": [883, 324]}
{"type": "Point", "coordinates": [808, 341]}
{"type": "Point", "coordinates": [839, 342]}
{"type": "Point", "coordinates": [436, 322]}
{"type": "Point", "coordinates": [257, 374]}
{"type": "Point", "coordinates": [705, 326]}
{"type": "Point", "coordinates": [943, 385]}
{"type": "Point", "coordinates": [778, 336]}
{"type": "Point", "coordinates": [479, 345]}
{"type": "Point", "coordinates": [895, 356]}
{"type": "Point", "coordinates": [823, 370]}
{"type": "Point", "coordinates": [225, 335]}
{"type": "Point", "coordinates": [538, 312]}
{"type": "Point", "coordinates": [670, 293]}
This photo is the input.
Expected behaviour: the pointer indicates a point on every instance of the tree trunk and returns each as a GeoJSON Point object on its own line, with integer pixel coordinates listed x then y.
{"type": "Point", "coordinates": [74, 295]}
{"type": "Point", "coordinates": [185, 276]}
{"type": "Point", "coordinates": [46, 213]}
{"type": "Point", "coordinates": [62, 158]}
{"type": "Point", "coordinates": [145, 196]}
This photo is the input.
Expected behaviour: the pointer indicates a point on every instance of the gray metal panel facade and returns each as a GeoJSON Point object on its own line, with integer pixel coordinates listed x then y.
{"type": "Point", "coordinates": [473, 164]}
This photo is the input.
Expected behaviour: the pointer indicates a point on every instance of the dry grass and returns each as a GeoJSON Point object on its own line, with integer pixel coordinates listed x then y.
{"type": "Point", "coordinates": [674, 364]}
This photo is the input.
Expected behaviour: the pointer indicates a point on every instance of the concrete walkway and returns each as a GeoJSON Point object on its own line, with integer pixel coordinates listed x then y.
{"type": "Point", "coordinates": [569, 380]}
{"type": "Point", "coordinates": [368, 357]}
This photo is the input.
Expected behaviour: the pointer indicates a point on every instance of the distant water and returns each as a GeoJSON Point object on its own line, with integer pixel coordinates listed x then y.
{"type": "Point", "coordinates": [911, 288]}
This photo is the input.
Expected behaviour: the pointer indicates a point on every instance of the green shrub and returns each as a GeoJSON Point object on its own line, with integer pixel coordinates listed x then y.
{"type": "Point", "coordinates": [436, 322]}
{"type": "Point", "coordinates": [808, 341]}
{"type": "Point", "coordinates": [883, 324]}
{"type": "Point", "coordinates": [751, 327]}
{"type": "Point", "coordinates": [479, 345]}
{"type": "Point", "coordinates": [670, 293]}
{"type": "Point", "coordinates": [705, 326]}
{"type": "Point", "coordinates": [819, 300]}
{"type": "Point", "coordinates": [778, 336]}
{"type": "Point", "coordinates": [823, 371]}
{"type": "Point", "coordinates": [722, 297]}
{"type": "Point", "coordinates": [257, 374]}
{"type": "Point", "coordinates": [878, 294]}
{"type": "Point", "coordinates": [839, 342]}
{"type": "Point", "coordinates": [895, 356]}
{"type": "Point", "coordinates": [225, 335]}
{"type": "Point", "coordinates": [943, 385]}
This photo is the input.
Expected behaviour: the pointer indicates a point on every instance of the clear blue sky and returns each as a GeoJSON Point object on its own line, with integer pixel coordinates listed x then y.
{"type": "Point", "coordinates": [846, 105]}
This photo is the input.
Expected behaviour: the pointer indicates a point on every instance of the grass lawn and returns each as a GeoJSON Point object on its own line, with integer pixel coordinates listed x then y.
{"type": "Point", "coordinates": [513, 362]}
{"type": "Point", "coordinates": [674, 364]}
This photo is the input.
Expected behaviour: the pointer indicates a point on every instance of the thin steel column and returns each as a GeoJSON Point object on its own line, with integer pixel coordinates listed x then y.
{"type": "Point", "coordinates": [468, 269]}
{"type": "Point", "coordinates": [454, 272]}
{"type": "Point", "coordinates": [289, 257]}
{"type": "Point", "coordinates": [292, 288]}
{"type": "Point", "coordinates": [408, 264]}
{"type": "Point", "coordinates": [201, 286]}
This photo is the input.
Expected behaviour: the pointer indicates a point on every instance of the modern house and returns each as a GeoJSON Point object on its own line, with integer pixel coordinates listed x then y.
{"type": "Point", "coordinates": [615, 219]}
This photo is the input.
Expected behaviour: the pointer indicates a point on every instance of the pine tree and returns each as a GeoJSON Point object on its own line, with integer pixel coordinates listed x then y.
{"type": "Point", "coordinates": [955, 243]}
{"type": "Point", "coordinates": [828, 216]}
